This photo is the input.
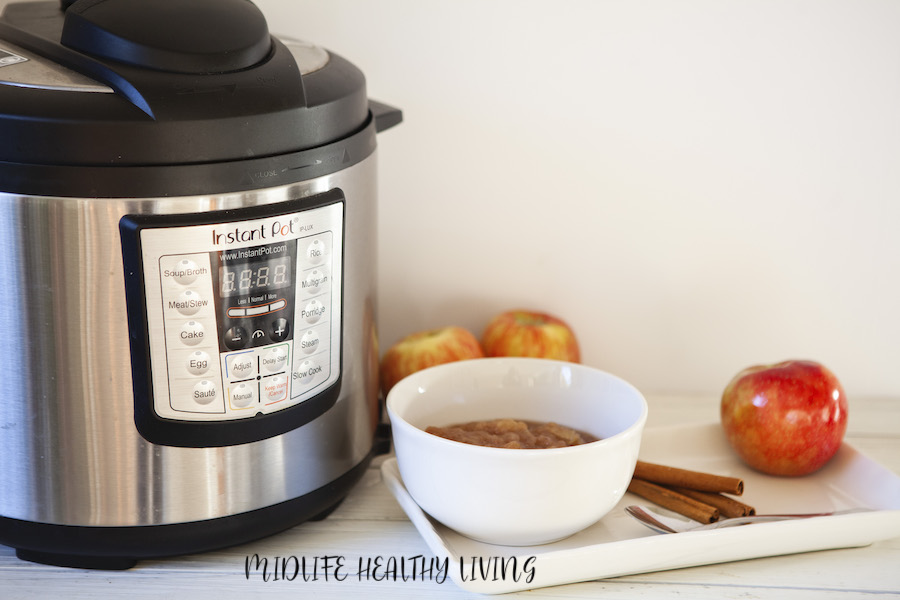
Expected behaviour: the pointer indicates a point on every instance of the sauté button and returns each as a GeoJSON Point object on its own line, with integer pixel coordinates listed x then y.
{"type": "Point", "coordinates": [205, 392]}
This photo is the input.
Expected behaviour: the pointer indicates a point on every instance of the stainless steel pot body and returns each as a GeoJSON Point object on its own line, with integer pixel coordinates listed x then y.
{"type": "Point", "coordinates": [69, 450]}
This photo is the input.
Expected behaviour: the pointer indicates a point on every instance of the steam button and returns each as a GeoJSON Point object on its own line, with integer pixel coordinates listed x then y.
{"type": "Point", "coordinates": [309, 342]}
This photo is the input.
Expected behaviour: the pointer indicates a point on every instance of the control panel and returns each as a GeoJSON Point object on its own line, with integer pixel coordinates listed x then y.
{"type": "Point", "coordinates": [243, 317]}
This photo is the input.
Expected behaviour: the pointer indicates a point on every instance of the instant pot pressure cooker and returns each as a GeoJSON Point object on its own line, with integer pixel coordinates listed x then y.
{"type": "Point", "coordinates": [187, 243]}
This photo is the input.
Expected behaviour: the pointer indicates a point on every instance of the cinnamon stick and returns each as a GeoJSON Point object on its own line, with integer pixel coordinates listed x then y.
{"type": "Point", "coordinates": [683, 478]}
{"type": "Point", "coordinates": [728, 507]}
{"type": "Point", "coordinates": [698, 511]}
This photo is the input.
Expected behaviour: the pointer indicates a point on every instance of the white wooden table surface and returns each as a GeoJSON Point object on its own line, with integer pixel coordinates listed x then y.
{"type": "Point", "coordinates": [371, 525]}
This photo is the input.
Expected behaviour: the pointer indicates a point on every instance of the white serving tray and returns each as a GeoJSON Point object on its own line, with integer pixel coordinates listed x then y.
{"type": "Point", "coordinates": [618, 545]}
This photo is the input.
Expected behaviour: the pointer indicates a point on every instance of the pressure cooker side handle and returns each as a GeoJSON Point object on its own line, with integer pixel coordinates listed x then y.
{"type": "Point", "coordinates": [385, 116]}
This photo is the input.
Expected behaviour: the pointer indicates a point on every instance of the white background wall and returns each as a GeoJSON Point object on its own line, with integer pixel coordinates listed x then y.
{"type": "Point", "coordinates": [695, 186]}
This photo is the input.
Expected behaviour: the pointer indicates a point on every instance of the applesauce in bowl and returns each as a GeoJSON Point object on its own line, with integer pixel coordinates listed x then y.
{"type": "Point", "coordinates": [512, 496]}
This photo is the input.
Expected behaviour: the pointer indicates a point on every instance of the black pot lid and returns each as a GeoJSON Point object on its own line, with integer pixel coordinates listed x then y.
{"type": "Point", "coordinates": [138, 82]}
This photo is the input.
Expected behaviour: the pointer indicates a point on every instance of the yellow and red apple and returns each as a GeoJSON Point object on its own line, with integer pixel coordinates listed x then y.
{"type": "Point", "coordinates": [787, 418]}
{"type": "Point", "coordinates": [425, 349]}
{"type": "Point", "coordinates": [530, 333]}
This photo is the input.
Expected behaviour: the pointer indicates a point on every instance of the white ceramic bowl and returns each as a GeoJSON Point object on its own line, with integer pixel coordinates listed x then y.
{"type": "Point", "coordinates": [507, 496]}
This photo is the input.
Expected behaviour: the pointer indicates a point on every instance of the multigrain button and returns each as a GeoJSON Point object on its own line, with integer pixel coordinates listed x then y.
{"type": "Point", "coordinates": [192, 333]}
{"type": "Point", "coordinates": [314, 281]}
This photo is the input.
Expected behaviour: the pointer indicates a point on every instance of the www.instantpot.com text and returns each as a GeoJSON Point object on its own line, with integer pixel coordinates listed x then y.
{"type": "Point", "coordinates": [339, 568]}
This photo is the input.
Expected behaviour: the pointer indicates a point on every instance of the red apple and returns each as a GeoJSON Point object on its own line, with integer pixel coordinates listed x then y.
{"type": "Point", "coordinates": [424, 349]}
{"type": "Point", "coordinates": [530, 333]}
{"type": "Point", "coordinates": [787, 418]}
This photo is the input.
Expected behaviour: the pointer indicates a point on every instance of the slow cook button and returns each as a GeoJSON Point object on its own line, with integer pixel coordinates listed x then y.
{"type": "Point", "coordinates": [188, 303]}
{"type": "Point", "coordinates": [205, 392]}
{"type": "Point", "coordinates": [198, 363]}
{"type": "Point", "coordinates": [275, 389]}
{"type": "Point", "coordinates": [243, 395]}
{"type": "Point", "coordinates": [192, 333]}
{"type": "Point", "coordinates": [307, 372]}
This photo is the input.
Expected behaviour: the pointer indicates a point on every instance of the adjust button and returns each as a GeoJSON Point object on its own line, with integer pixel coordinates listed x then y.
{"type": "Point", "coordinates": [241, 366]}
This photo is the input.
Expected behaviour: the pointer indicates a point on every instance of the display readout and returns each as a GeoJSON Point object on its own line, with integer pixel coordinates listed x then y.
{"type": "Point", "coordinates": [259, 276]}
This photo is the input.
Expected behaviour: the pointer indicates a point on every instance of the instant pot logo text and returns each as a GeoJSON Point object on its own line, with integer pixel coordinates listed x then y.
{"type": "Point", "coordinates": [277, 229]}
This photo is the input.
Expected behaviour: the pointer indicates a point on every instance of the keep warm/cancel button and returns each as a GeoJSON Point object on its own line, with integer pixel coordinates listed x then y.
{"type": "Point", "coordinates": [274, 389]}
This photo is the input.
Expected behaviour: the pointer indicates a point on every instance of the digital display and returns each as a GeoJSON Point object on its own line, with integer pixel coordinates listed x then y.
{"type": "Point", "coordinates": [243, 278]}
